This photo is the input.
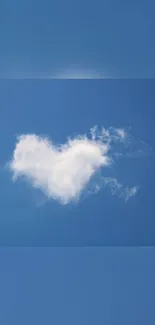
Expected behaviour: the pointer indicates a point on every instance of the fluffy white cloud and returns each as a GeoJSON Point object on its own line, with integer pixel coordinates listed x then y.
{"type": "Point", "coordinates": [63, 172]}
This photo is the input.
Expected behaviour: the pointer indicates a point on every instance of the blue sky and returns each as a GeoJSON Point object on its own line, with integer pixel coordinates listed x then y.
{"type": "Point", "coordinates": [63, 108]}
{"type": "Point", "coordinates": [48, 38]}
{"type": "Point", "coordinates": [77, 286]}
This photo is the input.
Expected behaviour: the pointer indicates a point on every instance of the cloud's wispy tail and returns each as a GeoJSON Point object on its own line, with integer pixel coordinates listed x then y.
{"type": "Point", "coordinates": [119, 189]}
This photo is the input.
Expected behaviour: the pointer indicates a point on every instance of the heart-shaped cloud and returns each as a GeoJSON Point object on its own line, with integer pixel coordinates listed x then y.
{"type": "Point", "coordinates": [62, 172]}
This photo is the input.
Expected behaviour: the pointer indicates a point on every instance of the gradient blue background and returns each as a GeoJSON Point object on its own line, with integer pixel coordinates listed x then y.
{"type": "Point", "coordinates": [37, 38]}
{"type": "Point", "coordinates": [65, 108]}
{"type": "Point", "coordinates": [77, 286]}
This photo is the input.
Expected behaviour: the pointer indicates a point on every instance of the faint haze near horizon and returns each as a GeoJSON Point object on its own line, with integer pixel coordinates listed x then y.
{"type": "Point", "coordinates": [70, 71]}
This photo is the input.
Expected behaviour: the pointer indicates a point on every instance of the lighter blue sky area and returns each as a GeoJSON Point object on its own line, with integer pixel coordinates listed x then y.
{"type": "Point", "coordinates": [62, 38]}
{"type": "Point", "coordinates": [65, 108]}
{"type": "Point", "coordinates": [77, 286]}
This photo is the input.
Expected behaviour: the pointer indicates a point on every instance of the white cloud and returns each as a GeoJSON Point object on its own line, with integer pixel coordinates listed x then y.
{"type": "Point", "coordinates": [63, 172]}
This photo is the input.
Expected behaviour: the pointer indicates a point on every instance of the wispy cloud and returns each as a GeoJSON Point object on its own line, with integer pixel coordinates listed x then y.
{"type": "Point", "coordinates": [119, 189]}
{"type": "Point", "coordinates": [63, 172]}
